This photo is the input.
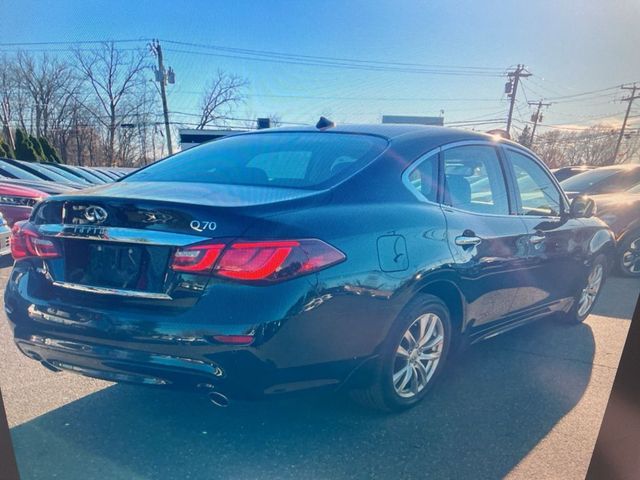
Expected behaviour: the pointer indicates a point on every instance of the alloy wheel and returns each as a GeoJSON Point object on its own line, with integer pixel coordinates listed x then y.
{"type": "Point", "coordinates": [418, 355]}
{"type": "Point", "coordinates": [590, 291]}
{"type": "Point", "coordinates": [631, 258]}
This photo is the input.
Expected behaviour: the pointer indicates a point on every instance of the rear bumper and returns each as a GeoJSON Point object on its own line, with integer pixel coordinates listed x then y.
{"type": "Point", "coordinates": [166, 350]}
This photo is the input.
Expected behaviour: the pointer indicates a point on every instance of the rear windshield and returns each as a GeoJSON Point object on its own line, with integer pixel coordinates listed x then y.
{"type": "Point", "coordinates": [291, 159]}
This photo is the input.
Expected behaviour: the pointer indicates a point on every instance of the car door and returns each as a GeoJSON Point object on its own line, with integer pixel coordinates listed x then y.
{"type": "Point", "coordinates": [554, 253]}
{"type": "Point", "coordinates": [487, 242]}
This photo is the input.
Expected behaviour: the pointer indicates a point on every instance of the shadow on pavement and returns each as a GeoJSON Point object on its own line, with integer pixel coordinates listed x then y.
{"type": "Point", "coordinates": [494, 404]}
{"type": "Point", "coordinates": [621, 294]}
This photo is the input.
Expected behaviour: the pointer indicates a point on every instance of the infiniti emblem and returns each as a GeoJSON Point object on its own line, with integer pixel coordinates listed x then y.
{"type": "Point", "coordinates": [95, 214]}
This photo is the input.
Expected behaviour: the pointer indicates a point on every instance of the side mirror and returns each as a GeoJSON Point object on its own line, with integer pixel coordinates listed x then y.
{"type": "Point", "coordinates": [582, 207]}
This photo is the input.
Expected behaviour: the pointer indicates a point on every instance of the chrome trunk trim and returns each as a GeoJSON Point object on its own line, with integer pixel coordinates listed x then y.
{"type": "Point", "coordinates": [112, 291]}
{"type": "Point", "coordinates": [119, 234]}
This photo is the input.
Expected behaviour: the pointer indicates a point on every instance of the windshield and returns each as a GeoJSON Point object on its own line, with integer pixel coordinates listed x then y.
{"type": "Point", "coordinates": [48, 173]}
{"type": "Point", "coordinates": [63, 173]}
{"type": "Point", "coordinates": [17, 172]}
{"type": "Point", "coordinates": [291, 159]}
{"type": "Point", "coordinates": [587, 182]}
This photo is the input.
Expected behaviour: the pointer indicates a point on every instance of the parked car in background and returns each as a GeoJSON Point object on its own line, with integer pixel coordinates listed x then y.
{"type": "Point", "coordinates": [610, 179]}
{"type": "Point", "coordinates": [17, 202]}
{"type": "Point", "coordinates": [567, 172]}
{"type": "Point", "coordinates": [106, 171]}
{"type": "Point", "coordinates": [372, 251]}
{"type": "Point", "coordinates": [42, 172]}
{"type": "Point", "coordinates": [71, 177]}
{"type": "Point", "coordinates": [9, 170]}
{"type": "Point", "coordinates": [85, 175]}
{"type": "Point", "coordinates": [100, 174]}
{"type": "Point", "coordinates": [50, 188]}
{"type": "Point", "coordinates": [621, 211]}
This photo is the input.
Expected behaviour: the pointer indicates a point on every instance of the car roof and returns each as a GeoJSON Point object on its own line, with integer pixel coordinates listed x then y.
{"type": "Point", "coordinates": [393, 132]}
{"type": "Point", "coordinates": [620, 167]}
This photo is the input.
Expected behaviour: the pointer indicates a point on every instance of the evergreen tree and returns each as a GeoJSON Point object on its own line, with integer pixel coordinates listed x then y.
{"type": "Point", "coordinates": [50, 153]}
{"type": "Point", "coordinates": [24, 148]}
{"type": "Point", "coordinates": [8, 152]}
{"type": "Point", "coordinates": [38, 148]}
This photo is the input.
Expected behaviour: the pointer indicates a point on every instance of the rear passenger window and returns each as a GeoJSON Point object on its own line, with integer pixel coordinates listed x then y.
{"type": "Point", "coordinates": [474, 180]}
{"type": "Point", "coordinates": [424, 178]}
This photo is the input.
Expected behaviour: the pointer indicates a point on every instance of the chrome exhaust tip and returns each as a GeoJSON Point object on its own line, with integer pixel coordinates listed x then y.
{"type": "Point", "coordinates": [218, 399]}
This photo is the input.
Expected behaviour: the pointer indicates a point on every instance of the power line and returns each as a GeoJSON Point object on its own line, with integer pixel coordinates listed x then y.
{"type": "Point", "coordinates": [74, 42]}
{"type": "Point", "coordinates": [331, 97]}
{"type": "Point", "coordinates": [296, 59]}
{"type": "Point", "coordinates": [274, 54]}
{"type": "Point", "coordinates": [347, 66]}
{"type": "Point", "coordinates": [582, 94]}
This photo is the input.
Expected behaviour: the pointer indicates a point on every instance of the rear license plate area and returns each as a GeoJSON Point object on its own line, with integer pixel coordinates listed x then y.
{"type": "Point", "coordinates": [118, 266]}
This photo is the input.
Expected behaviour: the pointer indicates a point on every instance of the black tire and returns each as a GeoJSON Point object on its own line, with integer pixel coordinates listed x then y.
{"type": "Point", "coordinates": [576, 316]}
{"type": "Point", "coordinates": [381, 393]}
{"type": "Point", "coordinates": [630, 244]}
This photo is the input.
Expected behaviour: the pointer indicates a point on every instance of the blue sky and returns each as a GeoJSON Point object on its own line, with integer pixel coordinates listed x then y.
{"type": "Point", "coordinates": [569, 46]}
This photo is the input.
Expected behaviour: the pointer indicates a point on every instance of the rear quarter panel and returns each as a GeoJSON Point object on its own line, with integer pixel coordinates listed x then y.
{"type": "Point", "coordinates": [356, 302]}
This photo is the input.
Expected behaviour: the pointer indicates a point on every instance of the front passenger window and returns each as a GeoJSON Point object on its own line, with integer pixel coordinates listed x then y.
{"type": "Point", "coordinates": [538, 194]}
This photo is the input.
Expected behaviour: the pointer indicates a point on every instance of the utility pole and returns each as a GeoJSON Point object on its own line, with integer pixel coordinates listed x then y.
{"type": "Point", "coordinates": [511, 89]}
{"type": "Point", "coordinates": [536, 117]}
{"type": "Point", "coordinates": [162, 76]}
{"type": "Point", "coordinates": [629, 99]}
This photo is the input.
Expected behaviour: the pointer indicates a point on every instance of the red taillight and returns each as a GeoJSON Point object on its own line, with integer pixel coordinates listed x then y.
{"type": "Point", "coordinates": [255, 260]}
{"type": "Point", "coordinates": [234, 339]}
{"type": "Point", "coordinates": [196, 258]}
{"type": "Point", "coordinates": [27, 242]}
{"type": "Point", "coordinates": [265, 261]}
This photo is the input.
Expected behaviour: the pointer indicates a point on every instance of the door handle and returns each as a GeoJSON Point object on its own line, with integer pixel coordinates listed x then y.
{"type": "Point", "coordinates": [536, 238]}
{"type": "Point", "coordinates": [465, 241]}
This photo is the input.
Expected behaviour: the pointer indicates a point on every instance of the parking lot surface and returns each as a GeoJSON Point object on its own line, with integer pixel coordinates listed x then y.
{"type": "Point", "coordinates": [527, 404]}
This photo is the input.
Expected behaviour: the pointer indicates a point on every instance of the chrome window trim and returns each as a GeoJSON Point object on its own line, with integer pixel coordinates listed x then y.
{"type": "Point", "coordinates": [409, 170]}
{"type": "Point", "coordinates": [112, 291]}
{"type": "Point", "coordinates": [119, 235]}
{"type": "Point", "coordinates": [463, 143]}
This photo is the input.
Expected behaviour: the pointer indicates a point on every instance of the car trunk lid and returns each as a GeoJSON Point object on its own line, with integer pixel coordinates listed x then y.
{"type": "Point", "coordinates": [119, 239]}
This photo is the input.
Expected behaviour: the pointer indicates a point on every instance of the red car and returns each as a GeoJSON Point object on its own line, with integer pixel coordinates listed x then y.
{"type": "Point", "coordinates": [16, 202]}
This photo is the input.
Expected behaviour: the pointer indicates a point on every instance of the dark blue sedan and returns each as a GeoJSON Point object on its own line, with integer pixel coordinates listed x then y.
{"type": "Point", "coordinates": [354, 257]}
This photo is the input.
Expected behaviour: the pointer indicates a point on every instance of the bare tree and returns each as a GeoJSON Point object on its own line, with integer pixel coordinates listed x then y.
{"type": "Point", "coordinates": [592, 146]}
{"type": "Point", "coordinates": [46, 81]}
{"type": "Point", "coordinates": [223, 93]}
{"type": "Point", "coordinates": [113, 77]}
{"type": "Point", "coordinates": [8, 91]}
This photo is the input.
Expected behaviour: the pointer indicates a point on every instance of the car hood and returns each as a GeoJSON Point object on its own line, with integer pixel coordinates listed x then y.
{"type": "Point", "coordinates": [616, 202]}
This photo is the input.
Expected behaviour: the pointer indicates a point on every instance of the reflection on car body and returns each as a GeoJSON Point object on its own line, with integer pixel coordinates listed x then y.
{"type": "Point", "coordinates": [346, 257]}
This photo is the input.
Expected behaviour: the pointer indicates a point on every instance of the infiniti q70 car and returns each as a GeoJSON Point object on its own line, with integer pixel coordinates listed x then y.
{"type": "Point", "coordinates": [353, 258]}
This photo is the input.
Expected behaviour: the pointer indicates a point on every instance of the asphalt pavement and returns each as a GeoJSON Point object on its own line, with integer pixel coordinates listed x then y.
{"type": "Point", "coordinates": [527, 404]}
